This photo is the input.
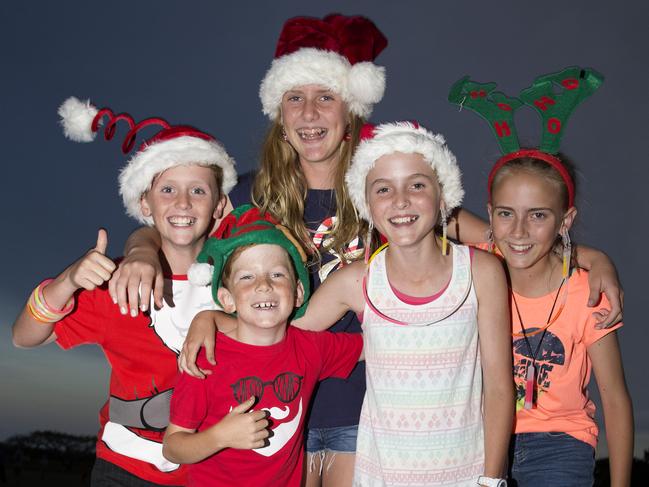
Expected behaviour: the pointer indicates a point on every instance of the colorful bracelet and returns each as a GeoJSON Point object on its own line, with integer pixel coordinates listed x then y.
{"type": "Point", "coordinates": [41, 311]}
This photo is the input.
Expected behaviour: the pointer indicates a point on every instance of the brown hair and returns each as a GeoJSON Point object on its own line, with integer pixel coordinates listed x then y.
{"type": "Point", "coordinates": [281, 189]}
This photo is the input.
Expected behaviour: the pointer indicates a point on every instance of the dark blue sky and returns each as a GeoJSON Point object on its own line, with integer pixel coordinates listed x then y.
{"type": "Point", "coordinates": [200, 62]}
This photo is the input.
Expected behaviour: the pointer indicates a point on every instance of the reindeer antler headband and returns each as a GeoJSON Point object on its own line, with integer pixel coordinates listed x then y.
{"type": "Point", "coordinates": [574, 84]}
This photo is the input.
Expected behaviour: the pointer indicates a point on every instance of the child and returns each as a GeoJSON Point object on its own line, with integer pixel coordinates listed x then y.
{"type": "Point", "coordinates": [555, 342]}
{"type": "Point", "coordinates": [423, 311]}
{"type": "Point", "coordinates": [261, 363]}
{"type": "Point", "coordinates": [434, 321]}
{"type": "Point", "coordinates": [176, 181]}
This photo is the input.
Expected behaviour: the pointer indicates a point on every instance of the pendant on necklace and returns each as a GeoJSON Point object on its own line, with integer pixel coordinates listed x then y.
{"type": "Point", "coordinates": [530, 377]}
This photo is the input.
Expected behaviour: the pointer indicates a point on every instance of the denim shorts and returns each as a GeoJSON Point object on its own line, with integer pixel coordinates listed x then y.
{"type": "Point", "coordinates": [341, 439]}
{"type": "Point", "coordinates": [550, 459]}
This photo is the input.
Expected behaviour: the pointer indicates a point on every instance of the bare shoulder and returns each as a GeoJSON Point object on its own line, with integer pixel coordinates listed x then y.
{"type": "Point", "coordinates": [350, 273]}
{"type": "Point", "coordinates": [487, 270]}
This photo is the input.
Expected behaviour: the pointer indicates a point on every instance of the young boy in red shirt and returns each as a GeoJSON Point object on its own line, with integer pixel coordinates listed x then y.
{"type": "Point", "coordinates": [244, 423]}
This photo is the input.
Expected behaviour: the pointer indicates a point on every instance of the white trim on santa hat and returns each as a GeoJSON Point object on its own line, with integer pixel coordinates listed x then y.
{"type": "Point", "coordinates": [361, 85]}
{"type": "Point", "coordinates": [137, 176]}
{"type": "Point", "coordinates": [406, 138]}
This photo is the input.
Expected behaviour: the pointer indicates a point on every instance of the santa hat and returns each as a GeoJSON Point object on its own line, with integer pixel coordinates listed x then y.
{"type": "Point", "coordinates": [173, 145]}
{"type": "Point", "coordinates": [408, 138]}
{"type": "Point", "coordinates": [335, 52]}
{"type": "Point", "coordinates": [245, 225]}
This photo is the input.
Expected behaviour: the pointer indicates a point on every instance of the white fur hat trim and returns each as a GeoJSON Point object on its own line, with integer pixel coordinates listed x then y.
{"type": "Point", "coordinates": [361, 85]}
{"type": "Point", "coordinates": [406, 138]}
{"type": "Point", "coordinates": [136, 177]}
{"type": "Point", "coordinates": [76, 119]}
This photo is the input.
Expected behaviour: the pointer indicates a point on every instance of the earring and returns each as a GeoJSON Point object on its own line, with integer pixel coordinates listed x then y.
{"type": "Point", "coordinates": [567, 252]}
{"type": "Point", "coordinates": [444, 231]}
{"type": "Point", "coordinates": [348, 133]}
{"type": "Point", "coordinates": [284, 136]}
{"type": "Point", "coordinates": [491, 246]}
{"type": "Point", "coordinates": [368, 243]}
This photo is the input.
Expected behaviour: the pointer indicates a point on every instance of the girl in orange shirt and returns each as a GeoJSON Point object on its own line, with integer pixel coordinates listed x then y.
{"type": "Point", "coordinates": [555, 338]}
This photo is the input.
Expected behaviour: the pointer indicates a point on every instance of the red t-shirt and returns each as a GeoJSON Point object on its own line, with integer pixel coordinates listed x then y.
{"type": "Point", "coordinates": [141, 353]}
{"type": "Point", "coordinates": [283, 377]}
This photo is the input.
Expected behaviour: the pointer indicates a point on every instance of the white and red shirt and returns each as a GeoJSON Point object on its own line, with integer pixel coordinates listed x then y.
{"type": "Point", "coordinates": [142, 353]}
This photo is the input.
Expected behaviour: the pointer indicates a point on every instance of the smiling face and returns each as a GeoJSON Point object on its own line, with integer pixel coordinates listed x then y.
{"type": "Point", "coordinates": [314, 119]}
{"type": "Point", "coordinates": [404, 198]}
{"type": "Point", "coordinates": [527, 214]}
{"type": "Point", "coordinates": [183, 202]}
{"type": "Point", "coordinates": [263, 290]}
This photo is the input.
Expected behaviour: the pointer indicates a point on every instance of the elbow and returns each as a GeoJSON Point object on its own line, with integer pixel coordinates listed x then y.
{"type": "Point", "coordinates": [168, 453]}
{"type": "Point", "coordinates": [20, 341]}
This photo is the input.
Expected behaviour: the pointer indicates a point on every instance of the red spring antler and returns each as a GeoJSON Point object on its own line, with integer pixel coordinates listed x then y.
{"type": "Point", "coordinates": [109, 130]}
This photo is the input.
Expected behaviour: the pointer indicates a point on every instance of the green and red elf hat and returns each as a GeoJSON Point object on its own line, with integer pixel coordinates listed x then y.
{"type": "Point", "coordinates": [246, 225]}
{"type": "Point", "coordinates": [554, 97]}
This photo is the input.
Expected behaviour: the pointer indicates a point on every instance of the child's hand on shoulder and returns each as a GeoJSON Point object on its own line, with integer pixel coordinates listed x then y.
{"type": "Point", "coordinates": [242, 429]}
{"type": "Point", "coordinates": [94, 268]}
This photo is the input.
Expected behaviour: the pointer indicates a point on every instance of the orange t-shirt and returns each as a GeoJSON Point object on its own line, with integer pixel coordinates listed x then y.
{"type": "Point", "coordinates": [562, 363]}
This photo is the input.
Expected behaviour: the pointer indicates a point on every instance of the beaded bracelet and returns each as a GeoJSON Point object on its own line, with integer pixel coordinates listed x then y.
{"type": "Point", "coordinates": [41, 311]}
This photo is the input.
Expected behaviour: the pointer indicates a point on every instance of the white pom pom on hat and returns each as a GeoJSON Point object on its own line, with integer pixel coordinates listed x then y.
{"type": "Point", "coordinates": [76, 119]}
{"type": "Point", "coordinates": [336, 52]}
{"type": "Point", "coordinates": [200, 274]}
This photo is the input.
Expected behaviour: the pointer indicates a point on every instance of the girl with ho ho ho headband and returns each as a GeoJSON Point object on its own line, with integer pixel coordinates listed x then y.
{"type": "Point", "coordinates": [555, 340]}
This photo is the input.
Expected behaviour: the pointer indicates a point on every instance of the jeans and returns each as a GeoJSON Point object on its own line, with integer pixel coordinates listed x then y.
{"type": "Point", "coordinates": [550, 459]}
{"type": "Point", "coordinates": [341, 439]}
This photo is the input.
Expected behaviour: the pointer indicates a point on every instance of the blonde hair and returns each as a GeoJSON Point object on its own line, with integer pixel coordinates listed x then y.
{"type": "Point", "coordinates": [281, 189]}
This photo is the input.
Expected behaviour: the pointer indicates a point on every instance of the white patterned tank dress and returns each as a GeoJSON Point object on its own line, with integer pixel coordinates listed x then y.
{"type": "Point", "coordinates": [421, 421]}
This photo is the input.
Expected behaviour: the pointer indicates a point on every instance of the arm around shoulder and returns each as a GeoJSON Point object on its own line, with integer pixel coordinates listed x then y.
{"type": "Point", "coordinates": [341, 292]}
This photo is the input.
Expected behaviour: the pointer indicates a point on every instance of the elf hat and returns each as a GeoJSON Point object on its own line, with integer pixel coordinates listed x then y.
{"type": "Point", "coordinates": [245, 225]}
{"type": "Point", "coordinates": [335, 52]}
{"type": "Point", "coordinates": [554, 96]}
{"type": "Point", "coordinates": [408, 138]}
{"type": "Point", "coordinates": [173, 145]}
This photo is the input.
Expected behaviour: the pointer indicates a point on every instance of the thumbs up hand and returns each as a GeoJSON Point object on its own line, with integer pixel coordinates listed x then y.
{"type": "Point", "coordinates": [241, 428]}
{"type": "Point", "coordinates": [94, 268]}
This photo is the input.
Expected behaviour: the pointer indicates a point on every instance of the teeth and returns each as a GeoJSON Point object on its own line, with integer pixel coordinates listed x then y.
{"type": "Point", "coordinates": [520, 248]}
{"type": "Point", "coordinates": [403, 219]}
{"type": "Point", "coordinates": [267, 305]}
{"type": "Point", "coordinates": [182, 221]}
{"type": "Point", "coordinates": [310, 134]}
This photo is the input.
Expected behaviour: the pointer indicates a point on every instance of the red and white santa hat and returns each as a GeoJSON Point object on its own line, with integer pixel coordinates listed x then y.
{"type": "Point", "coordinates": [408, 138]}
{"type": "Point", "coordinates": [336, 52]}
{"type": "Point", "coordinates": [173, 145]}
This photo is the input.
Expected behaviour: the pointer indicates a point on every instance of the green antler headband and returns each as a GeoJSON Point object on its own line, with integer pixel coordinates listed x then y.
{"type": "Point", "coordinates": [554, 97]}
